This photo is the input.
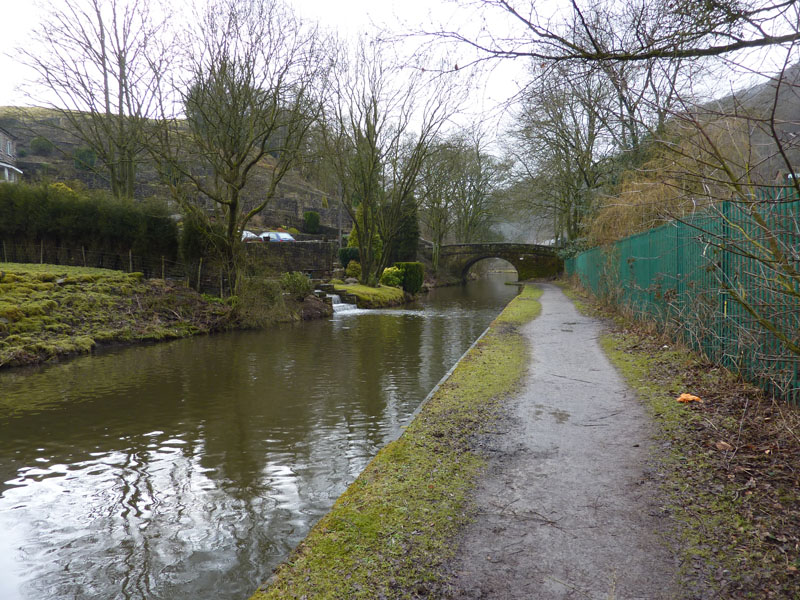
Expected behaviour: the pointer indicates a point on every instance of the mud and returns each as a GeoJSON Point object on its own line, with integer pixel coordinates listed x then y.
{"type": "Point", "coordinates": [567, 507]}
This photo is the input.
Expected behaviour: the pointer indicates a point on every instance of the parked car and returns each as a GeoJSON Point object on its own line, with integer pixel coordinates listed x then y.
{"type": "Point", "coordinates": [277, 236]}
{"type": "Point", "coordinates": [249, 236]}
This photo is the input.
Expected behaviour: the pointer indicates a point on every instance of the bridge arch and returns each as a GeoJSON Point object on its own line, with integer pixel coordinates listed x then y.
{"type": "Point", "coordinates": [468, 266]}
{"type": "Point", "coordinates": [530, 260]}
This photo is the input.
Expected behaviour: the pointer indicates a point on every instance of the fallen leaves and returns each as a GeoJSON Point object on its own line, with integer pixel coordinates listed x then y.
{"type": "Point", "coordinates": [723, 446]}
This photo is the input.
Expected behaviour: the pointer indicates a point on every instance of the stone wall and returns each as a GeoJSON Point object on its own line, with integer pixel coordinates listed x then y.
{"type": "Point", "coordinates": [314, 258]}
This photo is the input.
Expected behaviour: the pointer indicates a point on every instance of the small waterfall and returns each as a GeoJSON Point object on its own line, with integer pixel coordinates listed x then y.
{"type": "Point", "coordinates": [338, 305]}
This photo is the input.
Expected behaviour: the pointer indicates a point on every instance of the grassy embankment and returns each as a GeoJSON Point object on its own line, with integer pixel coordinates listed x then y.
{"type": "Point", "coordinates": [388, 535]}
{"type": "Point", "coordinates": [730, 465]}
{"type": "Point", "coordinates": [48, 311]}
{"type": "Point", "coordinates": [372, 297]}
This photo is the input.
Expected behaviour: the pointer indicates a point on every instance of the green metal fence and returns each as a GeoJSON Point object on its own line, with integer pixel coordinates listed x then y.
{"type": "Point", "coordinates": [726, 281]}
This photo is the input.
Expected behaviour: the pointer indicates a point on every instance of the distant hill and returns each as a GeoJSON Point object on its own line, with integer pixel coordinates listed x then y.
{"type": "Point", "coordinates": [54, 160]}
{"type": "Point", "coordinates": [781, 96]}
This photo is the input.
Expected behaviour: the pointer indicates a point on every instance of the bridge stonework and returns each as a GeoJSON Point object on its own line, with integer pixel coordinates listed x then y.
{"type": "Point", "coordinates": [530, 260]}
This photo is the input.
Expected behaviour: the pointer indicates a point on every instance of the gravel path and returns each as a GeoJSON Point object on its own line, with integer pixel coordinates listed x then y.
{"type": "Point", "coordinates": [566, 508]}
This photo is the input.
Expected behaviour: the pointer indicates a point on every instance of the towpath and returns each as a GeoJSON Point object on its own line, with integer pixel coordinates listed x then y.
{"type": "Point", "coordinates": [566, 509]}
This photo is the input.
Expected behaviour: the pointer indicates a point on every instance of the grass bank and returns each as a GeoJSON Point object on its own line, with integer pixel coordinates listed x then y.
{"type": "Point", "coordinates": [388, 535]}
{"type": "Point", "coordinates": [372, 297]}
{"type": "Point", "coordinates": [48, 311]}
{"type": "Point", "coordinates": [729, 465]}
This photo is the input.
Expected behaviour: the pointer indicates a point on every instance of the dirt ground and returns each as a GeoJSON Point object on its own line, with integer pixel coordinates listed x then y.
{"type": "Point", "coordinates": [567, 508]}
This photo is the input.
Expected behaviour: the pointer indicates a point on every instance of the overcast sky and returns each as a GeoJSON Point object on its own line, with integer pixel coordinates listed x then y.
{"type": "Point", "coordinates": [19, 18]}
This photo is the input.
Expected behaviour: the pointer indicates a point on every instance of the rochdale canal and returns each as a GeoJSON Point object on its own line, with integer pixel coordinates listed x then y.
{"type": "Point", "coordinates": [190, 469]}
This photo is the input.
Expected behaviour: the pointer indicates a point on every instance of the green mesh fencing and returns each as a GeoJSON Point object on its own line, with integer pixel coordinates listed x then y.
{"type": "Point", "coordinates": [727, 282]}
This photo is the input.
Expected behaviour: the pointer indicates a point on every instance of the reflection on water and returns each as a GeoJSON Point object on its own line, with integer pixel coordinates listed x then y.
{"type": "Point", "coordinates": [190, 469]}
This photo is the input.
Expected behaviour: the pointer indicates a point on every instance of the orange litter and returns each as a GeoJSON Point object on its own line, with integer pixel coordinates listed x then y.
{"type": "Point", "coordinates": [686, 398]}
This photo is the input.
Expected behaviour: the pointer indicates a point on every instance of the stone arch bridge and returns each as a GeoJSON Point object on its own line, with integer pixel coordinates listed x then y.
{"type": "Point", "coordinates": [530, 260]}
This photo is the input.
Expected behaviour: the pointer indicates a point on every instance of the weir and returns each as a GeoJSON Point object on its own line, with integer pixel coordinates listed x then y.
{"type": "Point", "coordinates": [339, 306]}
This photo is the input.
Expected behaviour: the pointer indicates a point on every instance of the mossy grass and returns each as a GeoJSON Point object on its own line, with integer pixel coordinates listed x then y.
{"type": "Point", "coordinates": [373, 297]}
{"type": "Point", "coordinates": [47, 311]}
{"type": "Point", "coordinates": [389, 534]}
{"type": "Point", "coordinates": [729, 465]}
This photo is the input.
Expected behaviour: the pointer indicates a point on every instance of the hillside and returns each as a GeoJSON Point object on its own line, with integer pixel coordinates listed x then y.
{"type": "Point", "coordinates": [781, 96]}
{"type": "Point", "coordinates": [295, 195]}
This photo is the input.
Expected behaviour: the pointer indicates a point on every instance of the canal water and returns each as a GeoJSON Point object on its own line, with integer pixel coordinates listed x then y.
{"type": "Point", "coordinates": [190, 469]}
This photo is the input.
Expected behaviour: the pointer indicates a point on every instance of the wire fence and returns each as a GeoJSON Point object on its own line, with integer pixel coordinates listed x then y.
{"type": "Point", "coordinates": [313, 258]}
{"type": "Point", "coordinates": [727, 282]}
{"type": "Point", "coordinates": [203, 278]}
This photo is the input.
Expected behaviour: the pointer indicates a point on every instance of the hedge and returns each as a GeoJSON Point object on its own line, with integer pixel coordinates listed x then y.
{"type": "Point", "coordinates": [413, 276]}
{"type": "Point", "coordinates": [311, 221]}
{"type": "Point", "coordinates": [347, 254]}
{"type": "Point", "coordinates": [59, 216]}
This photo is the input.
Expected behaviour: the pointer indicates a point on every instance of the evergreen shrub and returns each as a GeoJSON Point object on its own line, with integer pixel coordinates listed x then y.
{"type": "Point", "coordinates": [84, 158]}
{"type": "Point", "coordinates": [200, 239]}
{"type": "Point", "coordinates": [353, 269]}
{"type": "Point", "coordinates": [347, 254]}
{"type": "Point", "coordinates": [41, 146]}
{"type": "Point", "coordinates": [413, 276]}
{"type": "Point", "coordinates": [311, 221]}
{"type": "Point", "coordinates": [59, 216]}
{"type": "Point", "coordinates": [392, 276]}
{"type": "Point", "coordinates": [377, 242]}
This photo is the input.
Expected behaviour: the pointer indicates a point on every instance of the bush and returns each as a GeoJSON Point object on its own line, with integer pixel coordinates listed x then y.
{"type": "Point", "coordinates": [353, 269]}
{"type": "Point", "coordinates": [393, 277]}
{"type": "Point", "coordinates": [405, 244]}
{"type": "Point", "coordinates": [311, 221]}
{"type": "Point", "coordinates": [59, 216]}
{"type": "Point", "coordinates": [41, 146]}
{"type": "Point", "coordinates": [200, 239]}
{"type": "Point", "coordinates": [293, 231]}
{"type": "Point", "coordinates": [347, 254]}
{"type": "Point", "coordinates": [296, 284]}
{"type": "Point", "coordinates": [413, 276]}
{"type": "Point", "coordinates": [84, 159]}
{"type": "Point", "coordinates": [258, 303]}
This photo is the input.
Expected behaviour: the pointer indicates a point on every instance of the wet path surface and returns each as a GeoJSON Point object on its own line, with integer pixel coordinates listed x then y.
{"type": "Point", "coordinates": [566, 509]}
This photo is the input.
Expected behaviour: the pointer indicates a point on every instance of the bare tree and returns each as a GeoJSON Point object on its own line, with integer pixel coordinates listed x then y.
{"type": "Point", "coordinates": [437, 191]}
{"type": "Point", "coordinates": [634, 30]}
{"type": "Point", "coordinates": [382, 121]}
{"type": "Point", "coordinates": [96, 71]}
{"type": "Point", "coordinates": [479, 176]}
{"type": "Point", "coordinates": [722, 157]}
{"type": "Point", "coordinates": [244, 110]}
{"type": "Point", "coordinates": [583, 124]}
{"type": "Point", "coordinates": [563, 138]}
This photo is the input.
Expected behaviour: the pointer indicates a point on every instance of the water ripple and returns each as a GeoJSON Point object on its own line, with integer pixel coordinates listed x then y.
{"type": "Point", "coordinates": [190, 469]}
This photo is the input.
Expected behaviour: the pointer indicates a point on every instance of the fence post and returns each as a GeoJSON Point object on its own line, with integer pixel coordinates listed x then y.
{"type": "Point", "coordinates": [83, 251]}
{"type": "Point", "coordinates": [221, 294]}
{"type": "Point", "coordinates": [199, 271]}
{"type": "Point", "coordinates": [41, 252]}
{"type": "Point", "coordinates": [5, 256]}
{"type": "Point", "coordinates": [162, 269]}
{"type": "Point", "coordinates": [130, 260]}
